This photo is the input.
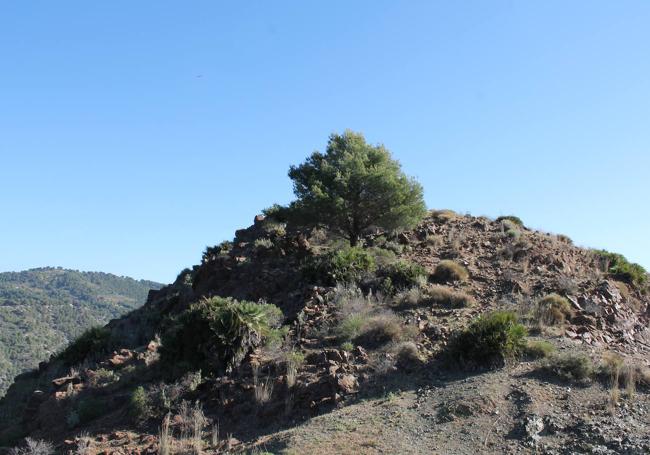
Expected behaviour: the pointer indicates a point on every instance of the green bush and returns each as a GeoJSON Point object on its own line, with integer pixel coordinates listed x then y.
{"type": "Point", "coordinates": [95, 341]}
{"type": "Point", "coordinates": [278, 213]}
{"type": "Point", "coordinates": [489, 341]}
{"type": "Point", "coordinates": [404, 274]}
{"type": "Point", "coordinates": [139, 406]}
{"type": "Point", "coordinates": [513, 219]}
{"type": "Point", "coordinates": [538, 349]}
{"type": "Point", "coordinates": [211, 253]}
{"type": "Point", "coordinates": [217, 333]}
{"type": "Point", "coordinates": [263, 244]}
{"type": "Point", "coordinates": [570, 367]}
{"type": "Point", "coordinates": [350, 327]}
{"type": "Point", "coordinates": [554, 310]}
{"type": "Point", "coordinates": [346, 265]}
{"type": "Point", "coordinates": [447, 271]}
{"type": "Point", "coordinates": [619, 267]}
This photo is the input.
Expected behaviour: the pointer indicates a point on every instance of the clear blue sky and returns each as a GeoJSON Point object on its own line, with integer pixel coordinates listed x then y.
{"type": "Point", "coordinates": [135, 133]}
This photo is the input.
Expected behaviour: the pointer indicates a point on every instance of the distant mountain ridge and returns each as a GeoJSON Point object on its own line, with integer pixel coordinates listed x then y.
{"type": "Point", "coordinates": [42, 309]}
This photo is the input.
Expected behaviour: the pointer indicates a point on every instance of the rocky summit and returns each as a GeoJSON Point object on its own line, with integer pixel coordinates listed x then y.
{"type": "Point", "coordinates": [463, 335]}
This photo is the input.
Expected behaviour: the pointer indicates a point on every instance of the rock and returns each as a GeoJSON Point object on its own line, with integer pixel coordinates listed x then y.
{"type": "Point", "coordinates": [348, 383]}
{"type": "Point", "coordinates": [258, 219]}
{"type": "Point", "coordinates": [571, 333]}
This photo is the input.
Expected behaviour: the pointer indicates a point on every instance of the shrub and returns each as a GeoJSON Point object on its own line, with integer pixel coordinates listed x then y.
{"type": "Point", "coordinates": [95, 341]}
{"type": "Point", "coordinates": [538, 349]}
{"type": "Point", "coordinates": [554, 310]}
{"type": "Point", "coordinates": [211, 253]}
{"type": "Point", "coordinates": [139, 406]}
{"type": "Point", "coordinates": [489, 341]}
{"type": "Point", "coordinates": [447, 271]}
{"type": "Point", "coordinates": [404, 274]}
{"type": "Point", "coordinates": [381, 329]}
{"type": "Point", "coordinates": [570, 367]}
{"type": "Point", "coordinates": [516, 250]}
{"type": "Point", "coordinates": [347, 265]}
{"type": "Point", "coordinates": [103, 377]}
{"type": "Point", "coordinates": [441, 295]}
{"type": "Point", "coordinates": [619, 267]}
{"type": "Point", "coordinates": [406, 353]}
{"type": "Point", "coordinates": [410, 297]}
{"type": "Point", "coordinates": [511, 218]}
{"type": "Point", "coordinates": [382, 256]}
{"type": "Point", "coordinates": [514, 234]}
{"type": "Point", "coordinates": [442, 216]}
{"type": "Point", "coordinates": [347, 346]}
{"type": "Point", "coordinates": [373, 330]}
{"type": "Point", "coordinates": [217, 333]}
{"type": "Point", "coordinates": [278, 213]}
{"type": "Point", "coordinates": [565, 239]}
{"type": "Point", "coordinates": [350, 327]}
{"type": "Point", "coordinates": [621, 372]}
{"type": "Point", "coordinates": [33, 447]}
{"type": "Point", "coordinates": [263, 244]}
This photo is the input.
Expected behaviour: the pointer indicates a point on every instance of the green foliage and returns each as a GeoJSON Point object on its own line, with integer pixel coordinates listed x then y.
{"type": "Point", "coordinates": [354, 186]}
{"type": "Point", "coordinates": [295, 359]}
{"type": "Point", "coordinates": [619, 267]}
{"type": "Point", "coordinates": [347, 346]}
{"type": "Point", "coordinates": [553, 310]}
{"type": "Point", "coordinates": [513, 219]}
{"type": "Point", "coordinates": [41, 310]}
{"type": "Point", "coordinates": [278, 213]}
{"type": "Point", "coordinates": [404, 274]}
{"type": "Point", "coordinates": [104, 377]}
{"type": "Point", "coordinates": [211, 253]}
{"type": "Point", "coordinates": [139, 405]}
{"type": "Point", "coordinates": [489, 341]}
{"type": "Point", "coordinates": [448, 270]}
{"type": "Point", "coordinates": [570, 367]}
{"type": "Point", "coordinates": [538, 349]}
{"type": "Point", "coordinates": [93, 342]}
{"type": "Point", "coordinates": [346, 265]}
{"type": "Point", "coordinates": [263, 244]}
{"type": "Point", "coordinates": [350, 327]}
{"type": "Point", "coordinates": [217, 333]}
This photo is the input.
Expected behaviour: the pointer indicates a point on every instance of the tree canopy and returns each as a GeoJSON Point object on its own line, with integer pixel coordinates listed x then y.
{"type": "Point", "coordinates": [354, 186]}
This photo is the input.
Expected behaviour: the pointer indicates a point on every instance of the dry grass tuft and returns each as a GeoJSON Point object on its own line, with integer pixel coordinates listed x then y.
{"type": "Point", "coordinates": [441, 295]}
{"type": "Point", "coordinates": [447, 271]}
{"type": "Point", "coordinates": [263, 391]}
{"type": "Point", "coordinates": [442, 216]}
{"type": "Point", "coordinates": [553, 310]}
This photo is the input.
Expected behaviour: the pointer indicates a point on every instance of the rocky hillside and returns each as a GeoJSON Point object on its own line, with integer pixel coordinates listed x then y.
{"type": "Point", "coordinates": [464, 335]}
{"type": "Point", "coordinates": [41, 310]}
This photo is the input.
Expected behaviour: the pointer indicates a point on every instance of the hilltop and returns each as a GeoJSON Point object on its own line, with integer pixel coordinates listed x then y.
{"type": "Point", "coordinates": [407, 356]}
{"type": "Point", "coordinates": [43, 309]}
{"type": "Point", "coordinates": [354, 320]}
